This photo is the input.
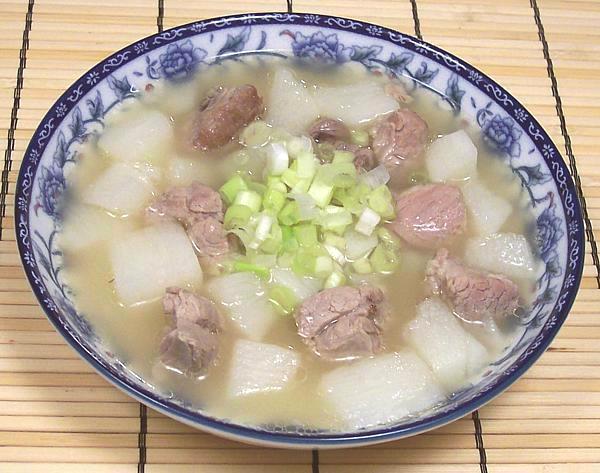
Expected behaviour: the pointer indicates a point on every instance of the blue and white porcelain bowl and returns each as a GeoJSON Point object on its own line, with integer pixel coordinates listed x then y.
{"type": "Point", "coordinates": [180, 52]}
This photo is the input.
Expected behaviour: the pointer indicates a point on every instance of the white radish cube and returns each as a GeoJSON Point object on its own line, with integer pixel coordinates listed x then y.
{"type": "Point", "coordinates": [260, 368]}
{"type": "Point", "coordinates": [138, 137]}
{"type": "Point", "coordinates": [488, 211]}
{"type": "Point", "coordinates": [244, 299]}
{"type": "Point", "coordinates": [438, 337]}
{"type": "Point", "coordinates": [380, 390]}
{"type": "Point", "coordinates": [85, 226]}
{"type": "Point", "coordinates": [290, 105]}
{"type": "Point", "coordinates": [504, 253]}
{"type": "Point", "coordinates": [147, 261]}
{"type": "Point", "coordinates": [354, 104]}
{"type": "Point", "coordinates": [302, 287]}
{"type": "Point", "coordinates": [121, 190]}
{"type": "Point", "coordinates": [451, 157]}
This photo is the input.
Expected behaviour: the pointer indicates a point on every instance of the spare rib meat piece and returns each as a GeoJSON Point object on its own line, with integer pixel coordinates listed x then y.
{"type": "Point", "coordinates": [200, 209]}
{"type": "Point", "coordinates": [472, 294]}
{"type": "Point", "coordinates": [223, 114]}
{"type": "Point", "coordinates": [430, 216]}
{"type": "Point", "coordinates": [399, 142]}
{"type": "Point", "coordinates": [342, 322]}
{"type": "Point", "coordinates": [192, 344]}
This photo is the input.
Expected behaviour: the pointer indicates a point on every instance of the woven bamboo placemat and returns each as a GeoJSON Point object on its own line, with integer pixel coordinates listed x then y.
{"type": "Point", "coordinates": [57, 415]}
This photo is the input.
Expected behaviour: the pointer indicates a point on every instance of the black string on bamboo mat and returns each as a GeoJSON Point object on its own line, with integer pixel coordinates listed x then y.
{"type": "Point", "coordinates": [478, 431]}
{"type": "Point", "coordinates": [14, 113]}
{"type": "Point", "coordinates": [315, 461]}
{"type": "Point", "coordinates": [290, 7]}
{"type": "Point", "coordinates": [161, 15]}
{"type": "Point", "coordinates": [565, 133]}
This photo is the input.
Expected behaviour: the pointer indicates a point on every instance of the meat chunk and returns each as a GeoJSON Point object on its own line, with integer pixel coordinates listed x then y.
{"type": "Point", "coordinates": [472, 294]}
{"type": "Point", "coordinates": [342, 322]}
{"type": "Point", "coordinates": [337, 133]}
{"type": "Point", "coordinates": [192, 344]}
{"type": "Point", "coordinates": [329, 129]}
{"type": "Point", "coordinates": [398, 92]}
{"type": "Point", "coordinates": [430, 216]}
{"type": "Point", "coordinates": [399, 142]}
{"type": "Point", "coordinates": [223, 114]}
{"type": "Point", "coordinates": [200, 209]}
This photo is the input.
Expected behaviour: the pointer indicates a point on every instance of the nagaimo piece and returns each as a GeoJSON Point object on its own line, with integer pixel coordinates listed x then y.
{"type": "Point", "coordinates": [122, 190]}
{"type": "Point", "coordinates": [147, 261]}
{"type": "Point", "coordinates": [451, 157]}
{"type": "Point", "coordinates": [488, 211]}
{"type": "Point", "coordinates": [243, 297]}
{"type": "Point", "coordinates": [354, 104]}
{"type": "Point", "coordinates": [473, 295]}
{"type": "Point", "coordinates": [438, 337]}
{"type": "Point", "coordinates": [342, 322]}
{"type": "Point", "coordinates": [430, 216]}
{"type": "Point", "coordinates": [381, 390]}
{"type": "Point", "coordinates": [291, 106]}
{"type": "Point", "coordinates": [223, 114]}
{"type": "Point", "coordinates": [399, 143]}
{"type": "Point", "coordinates": [260, 368]}
{"type": "Point", "coordinates": [145, 137]}
{"type": "Point", "coordinates": [504, 253]}
{"type": "Point", "coordinates": [85, 225]}
{"type": "Point", "coordinates": [192, 343]}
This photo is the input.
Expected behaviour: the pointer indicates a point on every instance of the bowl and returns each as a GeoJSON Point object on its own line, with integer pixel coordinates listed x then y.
{"type": "Point", "coordinates": [177, 53]}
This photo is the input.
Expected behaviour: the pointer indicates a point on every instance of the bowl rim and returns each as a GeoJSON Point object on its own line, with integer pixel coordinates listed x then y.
{"type": "Point", "coordinates": [289, 439]}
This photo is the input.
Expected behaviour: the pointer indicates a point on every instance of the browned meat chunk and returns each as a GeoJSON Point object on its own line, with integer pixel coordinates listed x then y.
{"type": "Point", "coordinates": [473, 295]}
{"type": "Point", "coordinates": [399, 142]}
{"type": "Point", "coordinates": [430, 216]}
{"type": "Point", "coordinates": [342, 322]}
{"type": "Point", "coordinates": [223, 114]}
{"type": "Point", "coordinates": [192, 344]}
{"type": "Point", "coordinates": [329, 129]}
{"type": "Point", "coordinates": [200, 209]}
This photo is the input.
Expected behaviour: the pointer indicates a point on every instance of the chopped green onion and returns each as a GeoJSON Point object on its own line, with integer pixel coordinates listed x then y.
{"type": "Point", "coordinates": [323, 266]}
{"type": "Point", "coordinates": [277, 159]}
{"type": "Point", "coordinates": [289, 242]}
{"type": "Point", "coordinates": [289, 214]}
{"type": "Point", "coordinates": [334, 240]}
{"type": "Point", "coordinates": [237, 216]}
{"type": "Point", "coordinates": [283, 298]}
{"type": "Point", "coordinates": [248, 198]}
{"type": "Point", "coordinates": [273, 200]}
{"type": "Point", "coordinates": [340, 156]}
{"type": "Point", "coordinates": [285, 260]}
{"type": "Point", "coordinates": [298, 144]}
{"type": "Point", "coordinates": [272, 244]}
{"type": "Point", "coordinates": [367, 222]}
{"type": "Point", "coordinates": [306, 235]}
{"type": "Point", "coordinates": [336, 254]}
{"type": "Point", "coordinates": [257, 187]}
{"type": "Point", "coordinates": [383, 260]}
{"type": "Point", "coordinates": [303, 263]}
{"type": "Point", "coordinates": [307, 165]}
{"type": "Point", "coordinates": [321, 193]}
{"type": "Point", "coordinates": [275, 182]}
{"type": "Point", "coordinates": [359, 137]}
{"type": "Point", "coordinates": [301, 187]}
{"type": "Point", "coordinates": [263, 228]}
{"type": "Point", "coordinates": [335, 279]}
{"type": "Point", "coordinates": [382, 202]}
{"type": "Point", "coordinates": [290, 177]}
{"type": "Point", "coordinates": [232, 187]}
{"type": "Point", "coordinates": [362, 266]}
{"type": "Point", "coordinates": [337, 174]}
{"type": "Point", "coordinates": [324, 152]}
{"type": "Point", "coordinates": [260, 271]}
{"type": "Point", "coordinates": [333, 216]}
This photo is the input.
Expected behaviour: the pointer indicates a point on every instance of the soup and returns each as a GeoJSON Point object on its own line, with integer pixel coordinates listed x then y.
{"type": "Point", "coordinates": [275, 243]}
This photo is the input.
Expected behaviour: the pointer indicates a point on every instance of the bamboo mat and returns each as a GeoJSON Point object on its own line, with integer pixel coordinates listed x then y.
{"type": "Point", "coordinates": [57, 415]}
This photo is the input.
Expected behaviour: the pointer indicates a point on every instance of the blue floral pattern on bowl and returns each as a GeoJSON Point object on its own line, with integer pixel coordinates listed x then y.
{"type": "Point", "coordinates": [178, 53]}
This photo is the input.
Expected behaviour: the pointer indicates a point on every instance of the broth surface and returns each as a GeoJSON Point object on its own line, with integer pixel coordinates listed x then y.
{"type": "Point", "coordinates": [134, 333]}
